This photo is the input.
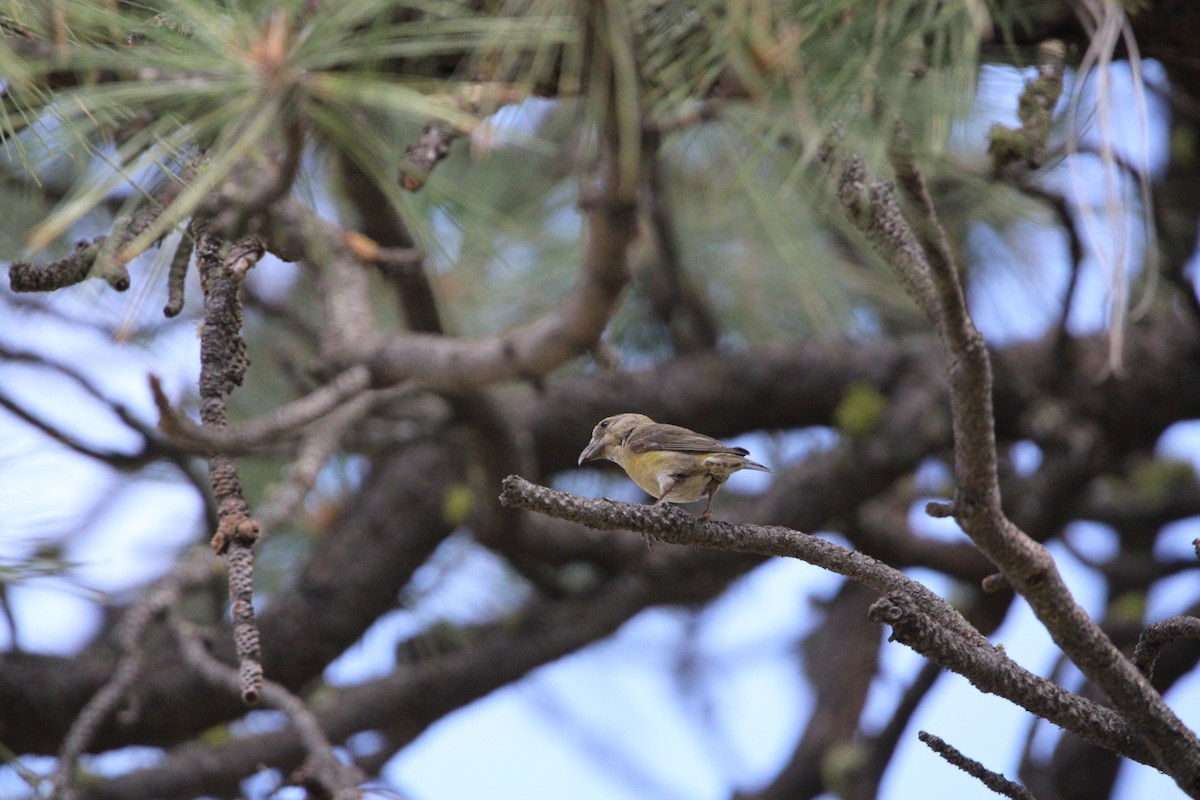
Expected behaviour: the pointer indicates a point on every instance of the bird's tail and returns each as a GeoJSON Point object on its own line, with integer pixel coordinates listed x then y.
{"type": "Point", "coordinates": [722, 465]}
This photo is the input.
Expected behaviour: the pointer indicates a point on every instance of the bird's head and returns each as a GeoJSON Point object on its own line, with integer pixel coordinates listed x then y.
{"type": "Point", "coordinates": [610, 433]}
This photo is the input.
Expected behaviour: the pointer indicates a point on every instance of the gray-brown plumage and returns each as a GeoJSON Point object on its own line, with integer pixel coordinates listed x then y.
{"type": "Point", "coordinates": [673, 464]}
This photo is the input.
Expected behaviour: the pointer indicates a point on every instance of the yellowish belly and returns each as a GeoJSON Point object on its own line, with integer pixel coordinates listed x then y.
{"type": "Point", "coordinates": [691, 472]}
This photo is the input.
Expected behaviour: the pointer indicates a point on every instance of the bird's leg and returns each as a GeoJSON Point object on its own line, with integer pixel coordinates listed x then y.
{"type": "Point", "coordinates": [665, 484]}
{"type": "Point", "coordinates": [650, 538]}
{"type": "Point", "coordinates": [713, 485]}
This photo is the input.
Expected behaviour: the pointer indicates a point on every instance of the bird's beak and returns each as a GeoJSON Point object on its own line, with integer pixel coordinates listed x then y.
{"type": "Point", "coordinates": [591, 451]}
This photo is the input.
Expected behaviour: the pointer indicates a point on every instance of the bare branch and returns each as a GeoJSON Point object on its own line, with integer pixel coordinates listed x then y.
{"type": "Point", "coordinates": [223, 362]}
{"type": "Point", "coordinates": [391, 248]}
{"type": "Point", "coordinates": [883, 744]}
{"type": "Point", "coordinates": [153, 447]}
{"type": "Point", "coordinates": [336, 780]}
{"type": "Point", "coordinates": [1026, 564]}
{"type": "Point", "coordinates": [840, 658]}
{"type": "Point", "coordinates": [992, 780]}
{"type": "Point", "coordinates": [1157, 636]}
{"type": "Point", "coordinates": [532, 351]}
{"type": "Point", "coordinates": [159, 599]}
{"type": "Point", "coordinates": [874, 211]}
{"type": "Point", "coordinates": [300, 474]}
{"type": "Point", "coordinates": [348, 324]}
{"type": "Point", "coordinates": [177, 271]}
{"type": "Point", "coordinates": [919, 618]}
{"type": "Point", "coordinates": [1062, 212]}
{"type": "Point", "coordinates": [408, 700]}
{"type": "Point", "coordinates": [27, 277]}
{"type": "Point", "coordinates": [684, 310]}
{"type": "Point", "coordinates": [113, 458]}
{"type": "Point", "coordinates": [284, 421]}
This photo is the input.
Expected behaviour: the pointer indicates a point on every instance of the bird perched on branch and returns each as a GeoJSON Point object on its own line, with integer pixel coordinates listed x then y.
{"type": "Point", "coordinates": [673, 464]}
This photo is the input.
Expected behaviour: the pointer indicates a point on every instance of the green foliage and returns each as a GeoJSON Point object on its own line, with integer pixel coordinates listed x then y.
{"type": "Point", "coordinates": [679, 53]}
{"type": "Point", "coordinates": [861, 410]}
{"type": "Point", "coordinates": [457, 504]}
{"type": "Point", "coordinates": [1183, 145]}
{"type": "Point", "coordinates": [842, 765]}
{"type": "Point", "coordinates": [1162, 476]}
{"type": "Point", "coordinates": [1128, 608]}
{"type": "Point", "coordinates": [195, 93]}
{"type": "Point", "coordinates": [149, 91]}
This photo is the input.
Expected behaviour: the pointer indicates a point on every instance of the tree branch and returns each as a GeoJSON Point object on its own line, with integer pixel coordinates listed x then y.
{"type": "Point", "coordinates": [919, 618]}
{"type": "Point", "coordinates": [1027, 565]}
{"type": "Point", "coordinates": [992, 780]}
{"type": "Point", "coordinates": [532, 351]}
{"type": "Point", "coordinates": [335, 780]}
{"type": "Point", "coordinates": [1157, 636]}
{"type": "Point", "coordinates": [410, 699]}
{"type": "Point", "coordinates": [130, 632]}
{"type": "Point", "coordinates": [250, 436]}
{"type": "Point", "coordinates": [223, 363]}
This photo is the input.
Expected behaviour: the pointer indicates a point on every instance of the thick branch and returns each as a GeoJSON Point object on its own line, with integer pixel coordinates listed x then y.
{"type": "Point", "coordinates": [920, 619]}
{"type": "Point", "coordinates": [412, 698]}
{"type": "Point", "coordinates": [534, 350]}
{"type": "Point", "coordinates": [1026, 564]}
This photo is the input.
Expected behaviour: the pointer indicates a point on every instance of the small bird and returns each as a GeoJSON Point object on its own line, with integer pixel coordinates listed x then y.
{"type": "Point", "coordinates": [673, 464]}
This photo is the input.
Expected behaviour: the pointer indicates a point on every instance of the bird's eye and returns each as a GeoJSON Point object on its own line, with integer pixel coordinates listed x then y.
{"type": "Point", "coordinates": [603, 424]}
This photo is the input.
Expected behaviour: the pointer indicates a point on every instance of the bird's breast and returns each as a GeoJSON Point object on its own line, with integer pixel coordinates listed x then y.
{"type": "Point", "coordinates": [689, 473]}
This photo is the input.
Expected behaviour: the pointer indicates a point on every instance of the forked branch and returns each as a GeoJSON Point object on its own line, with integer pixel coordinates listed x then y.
{"type": "Point", "coordinates": [918, 617]}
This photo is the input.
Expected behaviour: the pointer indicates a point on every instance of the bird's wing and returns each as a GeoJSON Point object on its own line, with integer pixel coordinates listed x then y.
{"type": "Point", "coordinates": [673, 437]}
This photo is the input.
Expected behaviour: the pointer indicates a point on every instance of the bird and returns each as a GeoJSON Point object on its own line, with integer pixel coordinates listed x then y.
{"type": "Point", "coordinates": [673, 464]}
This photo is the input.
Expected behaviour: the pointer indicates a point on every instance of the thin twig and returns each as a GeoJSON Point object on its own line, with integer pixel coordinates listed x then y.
{"type": "Point", "coordinates": [24, 276]}
{"type": "Point", "coordinates": [125, 462]}
{"type": "Point", "coordinates": [1158, 635]}
{"type": "Point", "coordinates": [132, 627]}
{"type": "Point", "coordinates": [1058, 205]}
{"type": "Point", "coordinates": [318, 446]}
{"type": "Point", "coordinates": [248, 437]}
{"type": "Point", "coordinates": [684, 311]}
{"type": "Point", "coordinates": [883, 744]}
{"type": "Point", "coordinates": [992, 780]}
{"type": "Point", "coordinates": [177, 272]}
{"type": "Point", "coordinates": [322, 767]}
